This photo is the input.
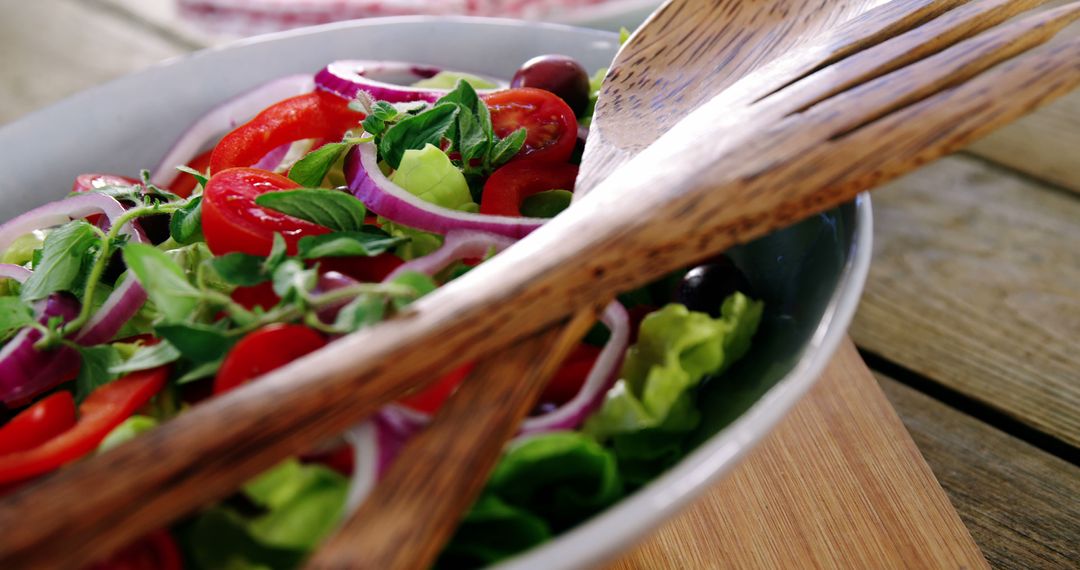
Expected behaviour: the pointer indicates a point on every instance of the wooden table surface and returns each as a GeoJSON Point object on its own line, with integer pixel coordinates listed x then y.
{"type": "Point", "coordinates": [971, 316]}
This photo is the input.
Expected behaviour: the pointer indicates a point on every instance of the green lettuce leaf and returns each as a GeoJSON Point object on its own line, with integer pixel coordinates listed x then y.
{"type": "Point", "coordinates": [449, 79]}
{"type": "Point", "coordinates": [676, 349]}
{"type": "Point", "coordinates": [492, 531]}
{"type": "Point", "coordinates": [428, 174]}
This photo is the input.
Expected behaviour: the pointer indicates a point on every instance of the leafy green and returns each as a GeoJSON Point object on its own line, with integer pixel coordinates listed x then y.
{"type": "Point", "coordinates": [312, 168]}
{"type": "Point", "coordinates": [364, 310]}
{"type": "Point", "coordinates": [148, 357]}
{"type": "Point", "coordinates": [14, 315]}
{"type": "Point", "coordinates": [198, 343]}
{"type": "Point", "coordinates": [380, 114]}
{"type": "Point", "coordinates": [561, 477]}
{"type": "Point", "coordinates": [200, 371]}
{"type": "Point", "coordinates": [185, 225]}
{"type": "Point", "coordinates": [292, 279]}
{"type": "Point", "coordinates": [240, 268]}
{"type": "Point", "coordinates": [420, 283]}
{"type": "Point", "coordinates": [429, 174]}
{"type": "Point", "coordinates": [676, 349]}
{"type": "Point", "coordinates": [218, 539]}
{"type": "Point", "coordinates": [127, 431]}
{"type": "Point", "coordinates": [492, 531]}
{"type": "Point", "coordinates": [416, 131]}
{"type": "Point", "coordinates": [506, 148]}
{"type": "Point", "coordinates": [595, 83]}
{"type": "Point", "coordinates": [96, 369]}
{"type": "Point", "coordinates": [420, 242]}
{"type": "Point", "coordinates": [66, 255]}
{"type": "Point", "coordinates": [450, 79]}
{"type": "Point", "coordinates": [328, 208]}
{"type": "Point", "coordinates": [546, 204]}
{"type": "Point", "coordinates": [200, 177]}
{"type": "Point", "coordinates": [369, 241]}
{"type": "Point", "coordinates": [164, 280]}
{"type": "Point", "coordinates": [21, 251]}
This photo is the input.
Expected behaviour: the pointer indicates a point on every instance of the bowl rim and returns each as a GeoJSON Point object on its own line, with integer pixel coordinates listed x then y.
{"type": "Point", "coordinates": [631, 518]}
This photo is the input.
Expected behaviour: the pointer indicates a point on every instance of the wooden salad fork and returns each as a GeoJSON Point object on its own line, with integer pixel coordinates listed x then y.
{"type": "Point", "coordinates": [723, 175]}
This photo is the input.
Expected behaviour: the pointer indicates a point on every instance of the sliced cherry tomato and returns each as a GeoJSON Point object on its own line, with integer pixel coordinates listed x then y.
{"type": "Point", "coordinates": [430, 399]}
{"type": "Point", "coordinates": [266, 349]}
{"type": "Point", "coordinates": [314, 115]}
{"type": "Point", "coordinates": [232, 222]}
{"type": "Point", "coordinates": [549, 122]}
{"type": "Point", "coordinates": [509, 185]}
{"type": "Point", "coordinates": [365, 269]}
{"type": "Point", "coordinates": [571, 375]}
{"type": "Point", "coordinates": [184, 184]}
{"type": "Point", "coordinates": [103, 410]}
{"type": "Point", "coordinates": [39, 423]}
{"type": "Point", "coordinates": [155, 551]}
{"type": "Point", "coordinates": [340, 459]}
{"type": "Point", "coordinates": [95, 180]}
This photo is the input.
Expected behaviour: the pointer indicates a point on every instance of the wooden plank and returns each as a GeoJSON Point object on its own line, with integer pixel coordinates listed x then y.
{"type": "Point", "coordinates": [53, 48]}
{"type": "Point", "coordinates": [839, 484]}
{"type": "Point", "coordinates": [1018, 502]}
{"type": "Point", "coordinates": [976, 284]}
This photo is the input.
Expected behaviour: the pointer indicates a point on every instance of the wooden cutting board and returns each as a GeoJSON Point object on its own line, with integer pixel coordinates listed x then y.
{"type": "Point", "coordinates": [838, 484]}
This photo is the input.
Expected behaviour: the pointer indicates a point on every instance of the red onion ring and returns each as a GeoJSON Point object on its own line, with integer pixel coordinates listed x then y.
{"type": "Point", "coordinates": [393, 202]}
{"type": "Point", "coordinates": [119, 307]}
{"type": "Point", "coordinates": [62, 212]}
{"type": "Point", "coordinates": [273, 159]}
{"type": "Point", "coordinates": [25, 371]}
{"type": "Point", "coordinates": [224, 118]}
{"type": "Point", "coordinates": [459, 244]}
{"type": "Point", "coordinates": [16, 272]}
{"type": "Point", "coordinates": [366, 464]}
{"type": "Point", "coordinates": [346, 78]}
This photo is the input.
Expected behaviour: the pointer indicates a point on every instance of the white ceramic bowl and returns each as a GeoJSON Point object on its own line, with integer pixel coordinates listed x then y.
{"type": "Point", "coordinates": [810, 275]}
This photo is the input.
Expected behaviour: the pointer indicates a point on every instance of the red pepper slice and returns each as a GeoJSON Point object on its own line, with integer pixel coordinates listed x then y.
{"type": "Point", "coordinates": [430, 399]}
{"type": "Point", "coordinates": [310, 116]}
{"type": "Point", "coordinates": [509, 185]}
{"type": "Point", "coordinates": [567, 382]}
{"type": "Point", "coordinates": [39, 423]}
{"type": "Point", "coordinates": [103, 410]}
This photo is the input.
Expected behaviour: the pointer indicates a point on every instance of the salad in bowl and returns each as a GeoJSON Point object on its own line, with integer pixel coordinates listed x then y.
{"type": "Point", "coordinates": [317, 204]}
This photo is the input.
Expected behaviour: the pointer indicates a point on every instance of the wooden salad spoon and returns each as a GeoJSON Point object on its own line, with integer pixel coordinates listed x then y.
{"type": "Point", "coordinates": [714, 180]}
{"type": "Point", "coordinates": [414, 510]}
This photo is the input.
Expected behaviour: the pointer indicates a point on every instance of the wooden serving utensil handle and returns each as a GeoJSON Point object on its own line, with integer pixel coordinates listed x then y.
{"type": "Point", "coordinates": [413, 511]}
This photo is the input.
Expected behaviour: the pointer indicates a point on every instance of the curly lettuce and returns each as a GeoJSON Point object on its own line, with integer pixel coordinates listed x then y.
{"type": "Point", "coordinates": [676, 349]}
{"type": "Point", "coordinates": [429, 174]}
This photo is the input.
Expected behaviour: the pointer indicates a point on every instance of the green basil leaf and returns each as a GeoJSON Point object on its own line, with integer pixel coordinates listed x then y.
{"type": "Point", "coordinates": [364, 310]}
{"type": "Point", "coordinates": [373, 125]}
{"type": "Point", "coordinates": [546, 204]}
{"type": "Point", "coordinates": [473, 141]}
{"type": "Point", "coordinates": [240, 268]}
{"type": "Point", "coordinates": [416, 131]}
{"type": "Point", "coordinates": [506, 148]}
{"type": "Point", "coordinates": [196, 342]}
{"type": "Point", "coordinates": [346, 244]}
{"type": "Point", "coordinates": [328, 208]}
{"type": "Point", "coordinates": [463, 95]}
{"type": "Point", "coordinates": [66, 255]}
{"type": "Point", "coordinates": [200, 177]}
{"type": "Point", "coordinates": [185, 225]}
{"type": "Point", "coordinates": [132, 193]}
{"type": "Point", "coordinates": [291, 277]}
{"type": "Point", "coordinates": [148, 357]}
{"type": "Point", "coordinates": [420, 283]}
{"type": "Point", "coordinates": [385, 111]}
{"type": "Point", "coordinates": [164, 281]}
{"type": "Point", "coordinates": [97, 363]}
{"type": "Point", "coordinates": [312, 168]}
{"type": "Point", "coordinates": [14, 315]}
{"type": "Point", "coordinates": [200, 371]}
{"type": "Point", "coordinates": [278, 251]}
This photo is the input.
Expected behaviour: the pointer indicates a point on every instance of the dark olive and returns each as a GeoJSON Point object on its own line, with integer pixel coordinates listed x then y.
{"type": "Point", "coordinates": [558, 74]}
{"type": "Point", "coordinates": [156, 227]}
{"type": "Point", "coordinates": [705, 287]}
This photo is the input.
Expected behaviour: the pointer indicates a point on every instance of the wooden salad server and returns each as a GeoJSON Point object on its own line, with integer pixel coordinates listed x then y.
{"type": "Point", "coordinates": [715, 179]}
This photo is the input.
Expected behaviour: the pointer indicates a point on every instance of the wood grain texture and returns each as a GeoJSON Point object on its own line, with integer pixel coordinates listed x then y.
{"type": "Point", "coordinates": [50, 49]}
{"type": "Point", "coordinates": [839, 484]}
{"type": "Point", "coordinates": [976, 285]}
{"type": "Point", "coordinates": [1018, 502]}
{"type": "Point", "coordinates": [413, 511]}
{"type": "Point", "coordinates": [692, 200]}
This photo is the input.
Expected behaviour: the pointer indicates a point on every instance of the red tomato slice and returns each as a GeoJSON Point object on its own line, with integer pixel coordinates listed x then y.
{"type": "Point", "coordinates": [155, 551]}
{"type": "Point", "coordinates": [232, 222]}
{"type": "Point", "coordinates": [310, 116]}
{"type": "Point", "coordinates": [432, 398]}
{"type": "Point", "coordinates": [550, 123]}
{"type": "Point", "coordinates": [184, 184]}
{"type": "Point", "coordinates": [39, 423]}
{"type": "Point", "coordinates": [266, 349]}
{"type": "Point", "coordinates": [509, 185]}
{"type": "Point", "coordinates": [571, 375]}
{"type": "Point", "coordinates": [105, 408]}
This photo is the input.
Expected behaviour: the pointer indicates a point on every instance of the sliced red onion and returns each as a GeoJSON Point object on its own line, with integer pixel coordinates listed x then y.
{"type": "Point", "coordinates": [393, 202]}
{"type": "Point", "coordinates": [459, 244]}
{"type": "Point", "coordinates": [16, 272]}
{"type": "Point", "coordinates": [346, 78]}
{"type": "Point", "coordinates": [224, 118]}
{"type": "Point", "coordinates": [366, 464]}
{"type": "Point", "coordinates": [25, 371]}
{"type": "Point", "coordinates": [122, 304]}
{"type": "Point", "coordinates": [273, 159]}
{"type": "Point", "coordinates": [62, 212]}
